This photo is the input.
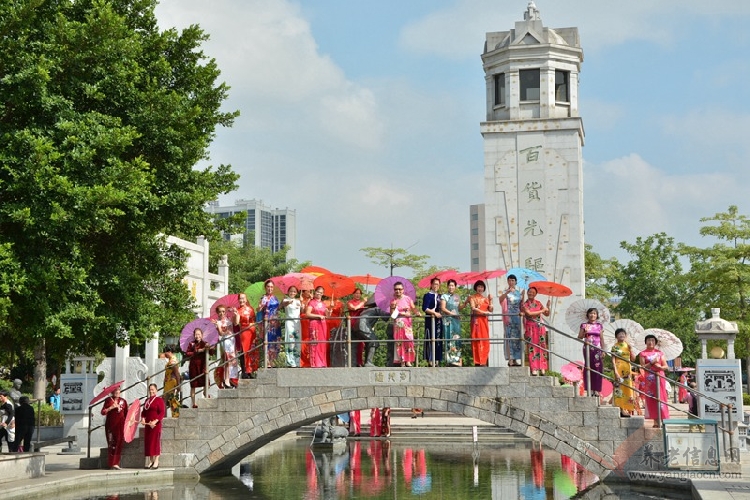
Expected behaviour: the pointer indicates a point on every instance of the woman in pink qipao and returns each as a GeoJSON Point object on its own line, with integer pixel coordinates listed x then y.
{"type": "Point", "coordinates": [317, 312]}
{"type": "Point", "coordinates": [403, 333]}
{"type": "Point", "coordinates": [654, 385]}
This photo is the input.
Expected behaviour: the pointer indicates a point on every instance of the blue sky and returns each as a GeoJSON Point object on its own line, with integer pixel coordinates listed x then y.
{"type": "Point", "coordinates": [364, 116]}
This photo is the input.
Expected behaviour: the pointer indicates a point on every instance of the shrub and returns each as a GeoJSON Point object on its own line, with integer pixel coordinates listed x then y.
{"type": "Point", "coordinates": [48, 416]}
{"type": "Point", "coordinates": [746, 399]}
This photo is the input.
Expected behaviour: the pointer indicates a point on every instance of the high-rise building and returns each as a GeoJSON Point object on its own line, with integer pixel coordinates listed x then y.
{"type": "Point", "coordinates": [532, 214]}
{"type": "Point", "coordinates": [269, 227]}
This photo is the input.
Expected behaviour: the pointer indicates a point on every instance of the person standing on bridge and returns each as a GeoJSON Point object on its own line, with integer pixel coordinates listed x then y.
{"type": "Point", "coordinates": [317, 312]}
{"type": "Point", "coordinates": [246, 340]}
{"type": "Point", "coordinates": [536, 333]}
{"type": "Point", "coordinates": [511, 300]}
{"type": "Point", "coordinates": [403, 308]}
{"type": "Point", "coordinates": [481, 308]}
{"type": "Point", "coordinates": [433, 324]}
{"type": "Point", "coordinates": [269, 307]}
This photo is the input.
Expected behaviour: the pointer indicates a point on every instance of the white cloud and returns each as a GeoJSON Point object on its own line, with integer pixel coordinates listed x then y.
{"type": "Point", "coordinates": [268, 55]}
{"type": "Point", "coordinates": [628, 197]}
{"type": "Point", "coordinates": [457, 31]}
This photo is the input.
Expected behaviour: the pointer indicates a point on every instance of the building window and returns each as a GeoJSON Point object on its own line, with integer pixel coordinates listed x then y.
{"type": "Point", "coordinates": [475, 231]}
{"type": "Point", "coordinates": [475, 246]}
{"type": "Point", "coordinates": [529, 84]}
{"type": "Point", "coordinates": [474, 216]}
{"type": "Point", "coordinates": [475, 261]}
{"type": "Point", "coordinates": [500, 89]}
{"type": "Point", "coordinates": [562, 86]}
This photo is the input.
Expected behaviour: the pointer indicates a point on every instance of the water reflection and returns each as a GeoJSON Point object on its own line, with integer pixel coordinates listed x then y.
{"type": "Point", "coordinates": [376, 469]}
{"type": "Point", "coordinates": [381, 469]}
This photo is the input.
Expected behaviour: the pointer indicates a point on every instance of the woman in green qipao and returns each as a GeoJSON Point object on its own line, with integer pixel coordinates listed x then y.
{"type": "Point", "coordinates": [624, 396]}
{"type": "Point", "coordinates": [449, 304]}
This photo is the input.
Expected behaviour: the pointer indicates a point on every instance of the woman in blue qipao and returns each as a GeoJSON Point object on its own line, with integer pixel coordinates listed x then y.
{"type": "Point", "coordinates": [511, 300]}
{"type": "Point", "coordinates": [449, 304]}
{"type": "Point", "coordinates": [269, 308]}
{"type": "Point", "coordinates": [433, 324]}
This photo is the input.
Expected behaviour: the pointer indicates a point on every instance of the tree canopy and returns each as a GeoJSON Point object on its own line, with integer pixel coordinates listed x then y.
{"type": "Point", "coordinates": [104, 118]}
{"type": "Point", "coordinates": [391, 258]}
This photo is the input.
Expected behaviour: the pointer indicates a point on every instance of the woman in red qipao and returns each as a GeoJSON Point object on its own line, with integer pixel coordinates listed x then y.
{"type": "Point", "coordinates": [153, 413]}
{"type": "Point", "coordinates": [114, 409]}
{"type": "Point", "coordinates": [197, 369]}
{"type": "Point", "coordinates": [481, 308]}
{"type": "Point", "coordinates": [246, 339]}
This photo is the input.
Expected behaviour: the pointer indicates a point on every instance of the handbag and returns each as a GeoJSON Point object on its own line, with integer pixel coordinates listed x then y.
{"type": "Point", "coordinates": [11, 432]}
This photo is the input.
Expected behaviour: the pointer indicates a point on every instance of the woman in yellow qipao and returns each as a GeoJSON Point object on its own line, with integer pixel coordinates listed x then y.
{"type": "Point", "coordinates": [624, 396]}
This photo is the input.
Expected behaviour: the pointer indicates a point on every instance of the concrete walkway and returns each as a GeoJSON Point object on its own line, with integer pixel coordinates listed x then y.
{"type": "Point", "coordinates": [64, 480]}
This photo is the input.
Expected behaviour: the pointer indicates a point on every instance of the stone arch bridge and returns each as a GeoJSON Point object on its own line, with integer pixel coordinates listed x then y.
{"type": "Point", "coordinates": [214, 437]}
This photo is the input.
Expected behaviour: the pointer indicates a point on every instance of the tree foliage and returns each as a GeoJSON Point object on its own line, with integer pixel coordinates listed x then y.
{"type": "Point", "coordinates": [600, 274]}
{"type": "Point", "coordinates": [249, 264]}
{"type": "Point", "coordinates": [392, 258]}
{"type": "Point", "coordinates": [721, 272]}
{"type": "Point", "coordinates": [655, 291]}
{"type": "Point", "coordinates": [103, 119]}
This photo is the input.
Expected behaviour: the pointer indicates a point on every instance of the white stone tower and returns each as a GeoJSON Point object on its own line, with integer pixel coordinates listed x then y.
{"type": "Point", "coordinates": [533, 209]}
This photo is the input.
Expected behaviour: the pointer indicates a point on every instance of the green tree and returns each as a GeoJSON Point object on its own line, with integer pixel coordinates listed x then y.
{"type": "Point", "coordinates": [249, 264]}
{"type": "Point", "coordinates": [655, 291]}
{"type": "Point", "coordinates": [103, 120]}
{"type": "Point", "coordinates": [391, 258]}
{"type": "Point", "coordinates": [721, 272]}
{"type": "Point", "coordinates": [599, 275]}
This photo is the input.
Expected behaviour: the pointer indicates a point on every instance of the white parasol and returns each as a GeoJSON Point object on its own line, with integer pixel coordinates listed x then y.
{"type": "Point", "coordinates": [576, 313]}
{"type": "Point", "coordinates": [632, 328]}
{"type": "Point", "coordinates": [668, 343]}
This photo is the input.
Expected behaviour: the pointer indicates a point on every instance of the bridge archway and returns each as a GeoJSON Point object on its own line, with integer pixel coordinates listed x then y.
{"type": "Point", "coordinates": [242, 421]}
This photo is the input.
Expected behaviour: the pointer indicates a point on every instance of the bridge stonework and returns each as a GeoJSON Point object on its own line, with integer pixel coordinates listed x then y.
{"type": "Point", "coordinates": [213, 438]}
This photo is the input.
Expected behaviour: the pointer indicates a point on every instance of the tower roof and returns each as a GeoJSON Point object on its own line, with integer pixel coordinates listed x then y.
{"type": "Point", "coordinates": [531, 31]}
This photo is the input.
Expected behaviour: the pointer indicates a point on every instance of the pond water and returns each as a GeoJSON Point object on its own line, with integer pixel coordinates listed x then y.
{"type": "Point", "coordinates": [390, 470]}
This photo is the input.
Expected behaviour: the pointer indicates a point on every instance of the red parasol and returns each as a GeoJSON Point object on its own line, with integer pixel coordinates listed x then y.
{"type": "Point", "coordinates": [335, 285]}
{"type": "Point", "coordinates": [551, 289]}
{"type": "Point", "coordinates": [132, 419]}
{"type": "Point", "coordinates": [488, 275]}
{"type": "Point", "coordinates": [316, 270]}
{"type": "Point", "coordinates": [210, 333]}
{"type": "Point", "coordinates": [572, 371]}
{"type": "Point", "coordinates": [106, 392]}
{"type": "Point", "coordinates": [467, 278]}
{"type": "Point", "coordinates": [441, 275]}
{"type": "Point", "coordinates": [365, 279]}
{"type": "Point", "coordinates": [384, 291]}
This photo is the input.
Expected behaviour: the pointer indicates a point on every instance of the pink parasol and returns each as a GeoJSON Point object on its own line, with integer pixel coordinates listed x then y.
{"type": "Point", "coordinates": [306, 285]}
{"type": "Point", "coordinates": [210, 333]}
{"type": "Point", "coordinates": [106, 392]}
{"type": "Point", "coordinates": [441, 275]}
{"type": "Point", "coordinates": [685, 369]}
{"type": "Point", "coordinates": [384, 291]}
{"type": "Point", "coordinates": [467, 278]}
{"type": "Point", "coordinates": [572, 371]}
{"type": "Point", "coordinates": [291, 279]}
{"type": "Point", "coordinates": [230, 301]}
{"type": "Point", "coordinates": [607, 388]}
{"type": "Point", "coordinates": [132, 419]}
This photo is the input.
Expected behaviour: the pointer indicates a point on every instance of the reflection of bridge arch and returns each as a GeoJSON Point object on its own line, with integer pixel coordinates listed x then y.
{"type": "Point", "coordinates": [215, 437]}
